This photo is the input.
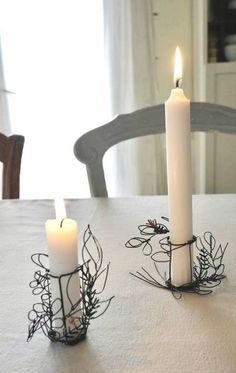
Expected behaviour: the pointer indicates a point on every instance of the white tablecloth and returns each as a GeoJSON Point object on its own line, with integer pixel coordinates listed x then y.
{"type": "Point", "coordinates": [145, 329]}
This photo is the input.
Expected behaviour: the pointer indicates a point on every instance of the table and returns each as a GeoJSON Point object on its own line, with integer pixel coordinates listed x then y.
{"type": "Point", "coordinates": [145, 329]}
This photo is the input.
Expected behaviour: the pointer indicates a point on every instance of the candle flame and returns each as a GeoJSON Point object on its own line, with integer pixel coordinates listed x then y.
{"type": "Point", "coordinates": [178, 73]}
{"type": "Point", "coordinates": [60, 208]}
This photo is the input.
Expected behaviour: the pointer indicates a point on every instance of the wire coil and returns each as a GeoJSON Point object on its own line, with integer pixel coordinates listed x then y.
{"type": "Point", "coordinates": [46, 312]}
{"type": "Point", "coordinates": [208, 268]}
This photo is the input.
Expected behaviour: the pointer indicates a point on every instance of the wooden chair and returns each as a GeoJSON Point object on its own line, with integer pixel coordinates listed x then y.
{"type": "Point", "coordinates": [90, 148]}
{"type": "Point", "coordinates": [10, 155]}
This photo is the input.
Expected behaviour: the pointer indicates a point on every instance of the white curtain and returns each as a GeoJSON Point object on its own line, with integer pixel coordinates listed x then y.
{"type": "Point", "coordinates": [4, 109]}
{"type": "Point", "coordinates": [129, 45]}
{"type": "Point", "coordinates": [53, 58]}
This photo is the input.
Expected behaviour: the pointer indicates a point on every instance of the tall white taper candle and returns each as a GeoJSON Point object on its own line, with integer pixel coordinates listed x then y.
{"type": "Point", "coordinates": [178, 147]}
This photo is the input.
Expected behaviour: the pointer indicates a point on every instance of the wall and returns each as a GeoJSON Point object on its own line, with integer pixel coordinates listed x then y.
{"type": "Point", "coordinates": [172, 28]}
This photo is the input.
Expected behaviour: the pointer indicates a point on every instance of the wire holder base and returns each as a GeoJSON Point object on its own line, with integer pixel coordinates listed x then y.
{"type": "Point", "coordinates": [207, 267]}
{"type": "Point", "coordinates": [59, 325]}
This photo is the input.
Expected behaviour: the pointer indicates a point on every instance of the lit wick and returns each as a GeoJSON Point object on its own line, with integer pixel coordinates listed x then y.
{"type": "Point", "coordinates": [178, 83]}
{"type": "Point", "coordinates": [62, 222]}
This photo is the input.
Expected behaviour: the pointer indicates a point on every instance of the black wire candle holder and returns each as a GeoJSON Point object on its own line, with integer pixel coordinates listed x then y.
{"type": "Point", "coordinates": [50, 316]}
{"type": "Point", "coordinates": [207, 268]}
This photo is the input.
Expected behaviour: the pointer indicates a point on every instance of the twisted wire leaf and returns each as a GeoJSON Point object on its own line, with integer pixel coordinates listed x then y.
{"type": "Point", "coordinates": [45, 311]}
{"type": "Point", "coordinates": [208, 268]}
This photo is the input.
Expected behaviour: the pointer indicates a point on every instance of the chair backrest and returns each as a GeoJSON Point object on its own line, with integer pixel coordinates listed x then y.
{"type": "Point", "coordinates": [10, 155]}
{"type": "Point", "coordinates": [90, 148]}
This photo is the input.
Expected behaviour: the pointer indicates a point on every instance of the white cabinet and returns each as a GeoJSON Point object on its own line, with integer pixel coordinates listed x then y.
{"type": "Point", "coordinates": [221, 148]}
{"type": "Point", "coordinates": [216, 83]}
{"type": "Point", "coordinates": [221, 83]}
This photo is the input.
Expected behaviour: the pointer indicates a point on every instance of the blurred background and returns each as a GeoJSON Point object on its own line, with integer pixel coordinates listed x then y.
{"type": "Point", "coordinates": [68, 66]}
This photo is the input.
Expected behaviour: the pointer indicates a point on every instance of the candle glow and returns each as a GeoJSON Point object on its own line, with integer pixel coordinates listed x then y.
{"type": "Point", "coordinates": [178, 69]}
{"type": "Point", "coordinates": [60, 208]}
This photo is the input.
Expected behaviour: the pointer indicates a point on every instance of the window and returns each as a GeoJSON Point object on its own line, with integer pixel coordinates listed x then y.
{"type": "Point", "coordinates": [53, 62]}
